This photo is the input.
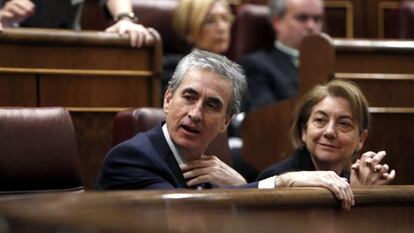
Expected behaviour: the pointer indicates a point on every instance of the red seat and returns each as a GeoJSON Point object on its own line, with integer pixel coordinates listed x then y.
{"type": "Point", "coordinates": [252, 30]}
{"type": "Point", "coordinates": [38, 151]}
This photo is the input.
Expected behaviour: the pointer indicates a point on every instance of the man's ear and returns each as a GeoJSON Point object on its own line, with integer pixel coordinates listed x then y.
{"type": "Point", "coordinates": [226, 123]}
{"type": "Point", "coordinates": [167, 99]}
{"type": "Point", "coordinates": [275, 23]}
{"type": "Point", "coordinates": [362, 139]}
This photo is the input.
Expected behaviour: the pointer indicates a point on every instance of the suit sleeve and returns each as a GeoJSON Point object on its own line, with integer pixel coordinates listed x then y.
{"type": "Point", "coordinates": [128, 167]}
{"type": "Point", "coordinates": [276, 169]}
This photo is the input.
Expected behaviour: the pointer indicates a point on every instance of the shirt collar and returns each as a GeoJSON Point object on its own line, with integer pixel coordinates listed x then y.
{"type": "Point", "coordinates": [294, 53]}
{"type": "Point", "coordinates": [171, 145]}
{"type": "Point", "coordinates": [178, 157]}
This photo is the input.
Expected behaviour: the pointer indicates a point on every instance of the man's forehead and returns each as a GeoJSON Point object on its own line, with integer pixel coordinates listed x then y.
{"type": "Point", "coordinates": [305, 6]}
{"type": "Point", "coordinates": [214, 85]}
{"type": "Point", "coordinates": [197, 84]}
{"type": "Point", "coordinates": [193, 75]}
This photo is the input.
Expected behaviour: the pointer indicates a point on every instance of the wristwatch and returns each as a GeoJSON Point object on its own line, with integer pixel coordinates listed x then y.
{"type": "Point", "coordinates": [129, 15]}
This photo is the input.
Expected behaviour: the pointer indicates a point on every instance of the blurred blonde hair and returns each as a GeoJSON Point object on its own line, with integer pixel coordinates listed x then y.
{"type": "Point", "coordinates": [190, 15]}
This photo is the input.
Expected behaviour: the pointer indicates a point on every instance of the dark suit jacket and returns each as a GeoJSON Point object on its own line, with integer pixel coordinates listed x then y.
{"type": "Point", "coordinates": [143, 162]}
{"type": "Point", "coordinates": [54, 14]}
{"type": "Point", "coordinates": [300, 161]}
{"type": "Point", "coordinates": [271, 77]}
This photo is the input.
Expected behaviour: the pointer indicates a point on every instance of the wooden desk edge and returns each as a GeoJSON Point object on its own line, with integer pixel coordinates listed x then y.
{"type": "Point", "coordinates": [280, 197]}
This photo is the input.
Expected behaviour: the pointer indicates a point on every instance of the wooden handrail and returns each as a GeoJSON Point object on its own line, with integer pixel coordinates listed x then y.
{"type": "Point", "coordinates": [376, 76]}
{"type": "Point", "coordinates": [382, 209]}
{"type": "Point", "coordinates": [374, 45]}
{"type": "Point", "coordinates": [77, 72]}
{"type": "Point", "coordinates": [62, 37]}
{"type": "Point", "coordinates": [267, 198]}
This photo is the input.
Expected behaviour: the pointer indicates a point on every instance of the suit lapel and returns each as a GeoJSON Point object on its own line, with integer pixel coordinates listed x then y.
{"type": "Point", "coordinates": [169, 163]}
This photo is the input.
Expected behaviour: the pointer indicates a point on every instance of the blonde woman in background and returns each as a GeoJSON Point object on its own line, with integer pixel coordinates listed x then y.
{"type": "Point", "coordinates": [201, 24]}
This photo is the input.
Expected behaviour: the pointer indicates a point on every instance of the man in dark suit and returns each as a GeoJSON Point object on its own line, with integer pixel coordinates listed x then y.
{"type": "Point", "coordinates": [203, 95]}
{"type": "Point", "coordinates": [272, 73]}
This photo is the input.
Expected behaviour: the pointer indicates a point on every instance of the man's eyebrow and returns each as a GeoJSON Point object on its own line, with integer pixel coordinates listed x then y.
{"type": "Point", "coordinates": [190, 91]}
{"type": "Point", "coordinates": [215, 100]}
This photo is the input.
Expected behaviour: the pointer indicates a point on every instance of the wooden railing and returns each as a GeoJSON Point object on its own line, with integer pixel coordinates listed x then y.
{"type": "Point", "coordinates": [377, 209]}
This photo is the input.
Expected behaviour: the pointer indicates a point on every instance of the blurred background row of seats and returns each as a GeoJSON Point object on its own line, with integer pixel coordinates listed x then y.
{"type": "Point", "coordinates": [252, 30]}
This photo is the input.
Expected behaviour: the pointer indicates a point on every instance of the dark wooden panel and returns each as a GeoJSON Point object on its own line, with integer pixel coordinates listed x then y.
{"type": "Point", "coordinates": [365, 63]}
{"type": "Point", "coordinates": [392, 131]}
{"type": "Point", "coordinates": [374, 56]}
{"type": "Point", "coordinates": [389, 22]}
{"type": "Point", "coordinates": [381, 68]}
{"type": "Point", "coordinates": [375, 13]}
{"type": "Point", "coordinates": [343, 18]}
{"type": "Point", "coordinates": [92, 128]}
{"type": "Point", "coordinates": [384, 90]}
{"type": "Point", "coordinates": [85, 58]}
{"type": "Point", "coordinates": [76, 56]}
{"type": "Point", "coordinates": [336, 25]}
{"type": "Point", "coordinates": [265, 134]}
{"type": "Point", "coordinates": [18, 90]}
{"type": "Point", "coordinates": [94, 91]}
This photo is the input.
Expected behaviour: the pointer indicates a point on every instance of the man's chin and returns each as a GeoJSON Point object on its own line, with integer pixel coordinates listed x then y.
{"type": "Point", "coordinates": [190, 147]}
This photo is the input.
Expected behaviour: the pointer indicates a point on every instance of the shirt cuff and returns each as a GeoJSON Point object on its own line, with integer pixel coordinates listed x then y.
{"type": "Point", "coordinates": [269, 183]}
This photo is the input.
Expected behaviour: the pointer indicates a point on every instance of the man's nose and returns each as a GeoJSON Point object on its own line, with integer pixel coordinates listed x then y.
{"type": "Point", "coordinates": [195, 113]}
{"type": "Point", "coordinates": [311, 24]}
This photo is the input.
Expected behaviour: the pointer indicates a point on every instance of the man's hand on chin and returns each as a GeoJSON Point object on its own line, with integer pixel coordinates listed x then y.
{"type": "Point", "coordinates": [210, 169]}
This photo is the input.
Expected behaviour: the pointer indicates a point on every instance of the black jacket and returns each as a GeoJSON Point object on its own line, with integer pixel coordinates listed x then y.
{"type": "Point", "coordinates": [299, 161]}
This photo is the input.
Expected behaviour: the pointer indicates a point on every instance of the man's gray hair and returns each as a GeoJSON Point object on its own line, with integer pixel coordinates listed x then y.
{"type": "Point", "coordinates": [218, 64]}
{"type": "Point", "coordinates": [278, 8]}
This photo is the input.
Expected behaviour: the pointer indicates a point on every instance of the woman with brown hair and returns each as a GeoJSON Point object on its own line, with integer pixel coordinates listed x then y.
{"type": "Point", "coordinates": [330, 126]}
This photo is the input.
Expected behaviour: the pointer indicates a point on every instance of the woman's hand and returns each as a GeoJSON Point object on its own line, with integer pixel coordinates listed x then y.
{"type": "Point", "coordinates": [368, 171]}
